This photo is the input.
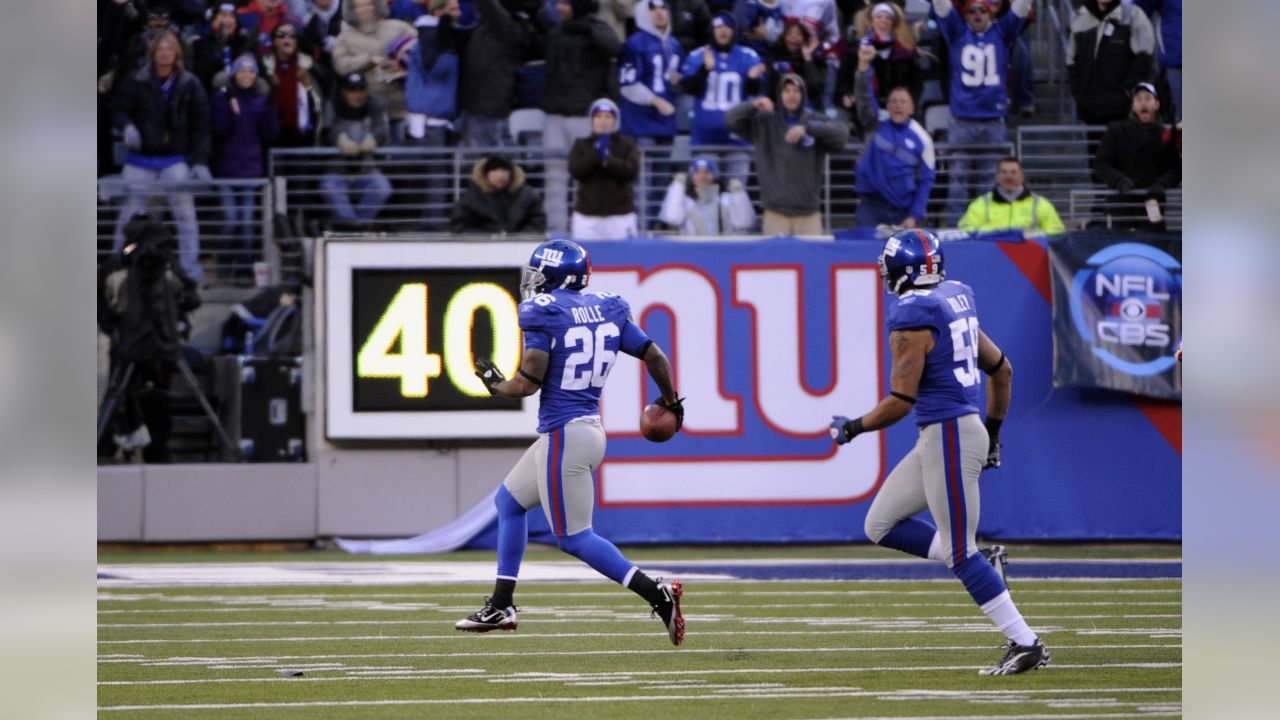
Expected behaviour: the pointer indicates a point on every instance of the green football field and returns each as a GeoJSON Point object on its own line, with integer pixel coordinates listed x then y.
{"type": "Point", "coordinates": [375, 641]}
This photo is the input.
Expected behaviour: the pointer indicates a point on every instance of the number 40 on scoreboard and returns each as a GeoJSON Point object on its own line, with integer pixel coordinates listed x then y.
{"type": "Point", "coordinates": [417, 332]}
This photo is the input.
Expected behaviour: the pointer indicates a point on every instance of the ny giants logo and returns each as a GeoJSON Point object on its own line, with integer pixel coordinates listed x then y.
{"type": "Point", "coordinates": [756, 426]}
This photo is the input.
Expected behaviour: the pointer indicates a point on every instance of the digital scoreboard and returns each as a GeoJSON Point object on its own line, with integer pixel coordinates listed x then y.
{"type": "Point", "coordinates": [404, 322]}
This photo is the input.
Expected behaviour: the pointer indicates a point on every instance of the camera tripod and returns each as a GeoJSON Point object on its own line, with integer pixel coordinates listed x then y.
{"type": "Point", "coordinates": [120, 383]}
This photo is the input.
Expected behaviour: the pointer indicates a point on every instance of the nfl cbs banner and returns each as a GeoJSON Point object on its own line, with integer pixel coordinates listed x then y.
{"type": "Point", "coordinates": [768, 339]}
{"type": "Point", "coordinates": [1117, 312]}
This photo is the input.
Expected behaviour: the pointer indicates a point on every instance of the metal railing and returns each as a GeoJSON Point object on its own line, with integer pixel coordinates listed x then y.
{"type": "Point", "coordinates": [228, 231]}
{"type": "Point", "coordinates": [426, 182]}
{"type": "Point", "coordinates": [1053, 30]}
{"type": "Point", "coordinates": [1102, 206]}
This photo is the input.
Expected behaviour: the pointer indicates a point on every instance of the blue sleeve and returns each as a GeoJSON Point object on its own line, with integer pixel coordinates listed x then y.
{"type": "Point", "coordinates": [924, 184]}
{"type": "Point", "coordinates": [1010, 25]}
{"type": "Point", "coordinates": [953, 26]}
{"type": "Point", "coordinates": [632, 70]}
{"type": "Point", "coordinates": [535, 321]}
{"type": "Point", "coordinates": [743, 17]}
{"type": "Point", "coordinates": [912, 312]}
{"type": "Point", "coordinates": [634, 340]}
{"type": "Point", "coordinates": [692, 62]}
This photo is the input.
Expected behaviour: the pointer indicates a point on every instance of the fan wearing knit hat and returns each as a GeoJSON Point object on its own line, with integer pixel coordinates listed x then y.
{"type": "Point", "coordinates": [704, 203]}
{"type": "Point", "coordinates": [606, 164]}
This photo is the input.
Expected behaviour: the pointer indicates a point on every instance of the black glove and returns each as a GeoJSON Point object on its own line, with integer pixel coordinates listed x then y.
{"type": "Point", "coordinates": [488, 373]}
{"type": "Point", "coordinates": [1156, 191]}
{"type": "Point", "coordinates": [676, 407]}
{"type": "Point", "coordinates": [843, 429]}
{"type": "Point", "coordinates": [1124, 185]}
{"type": "Point", "coordinates": [993, 446]}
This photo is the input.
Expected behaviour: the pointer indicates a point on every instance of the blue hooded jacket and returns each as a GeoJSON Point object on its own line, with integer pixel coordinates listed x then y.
{"type": "Point", "coordinates": [898, 163]}
{"type": "Point", "coordinates": [431, 86]}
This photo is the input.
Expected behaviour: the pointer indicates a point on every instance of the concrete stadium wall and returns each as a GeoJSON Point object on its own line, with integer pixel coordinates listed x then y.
{"type": "Point", "coordinates": [348, 493]}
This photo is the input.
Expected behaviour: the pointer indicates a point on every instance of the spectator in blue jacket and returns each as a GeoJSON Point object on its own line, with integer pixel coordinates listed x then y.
{"type": "Point", "coordinates": [896, 171]}
{"type": "Point", "coordinates": [244, 123]}
{"type": "Point", "coordinates": [431, 99]}
{"type": "Point", "coordinates": [1167, 16]}
{"type": "Point", "coordinates": [431, 82]}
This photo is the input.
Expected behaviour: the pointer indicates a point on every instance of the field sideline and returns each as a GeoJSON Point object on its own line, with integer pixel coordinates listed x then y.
{"type": "Point", "coordinates": [210, 635]}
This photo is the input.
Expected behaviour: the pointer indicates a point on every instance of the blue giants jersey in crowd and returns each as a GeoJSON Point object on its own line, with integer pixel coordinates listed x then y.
{"type": "Point", "coordinates": [951, 384]}
{"type": "Point", "coordinates": [725, 86]}
{"type": "Point", "coordinates": [979, 65]}
{"type": "Point", "coordinates": [582, 332]}
{"type": "Point", "coordinates": [747, 14]}
{"type": "Point", "coordinates": [646, 60]}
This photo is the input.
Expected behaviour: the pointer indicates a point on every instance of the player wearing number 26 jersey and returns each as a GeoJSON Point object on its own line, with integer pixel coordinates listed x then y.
{"type": "Point", "coordinates": [939, 356]}
{"type": "Point", "coordinates": [572, 340]}
{"type": "Point", "coordinates": [582, 333]}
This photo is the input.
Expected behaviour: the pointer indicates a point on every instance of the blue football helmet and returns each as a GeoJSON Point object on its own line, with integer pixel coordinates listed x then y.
{"type": "Point", "coordinates": [555, 264]}
{"type": "Point", "coordinates": [911, 258]}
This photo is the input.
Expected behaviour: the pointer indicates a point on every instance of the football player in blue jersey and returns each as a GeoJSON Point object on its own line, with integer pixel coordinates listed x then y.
{"type": "Point", "coordinates": [721, 75]}
{"type": "Point", "coordinates": [571, 342]}
{"type": "Point", "coordinates": [978, 48]}
{"type": "Point", "coordinates": [939, 357]}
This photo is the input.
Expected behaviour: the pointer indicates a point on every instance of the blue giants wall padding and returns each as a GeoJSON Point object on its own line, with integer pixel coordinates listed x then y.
{"type": "Point", "coordinates": [1078, 465]}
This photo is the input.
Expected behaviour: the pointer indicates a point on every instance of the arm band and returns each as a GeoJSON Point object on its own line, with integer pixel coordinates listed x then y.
{"type": "Point", "coordinates": [530, 378]}
{"type": "Point", "coordinates": [645, 349]}
{"type": "Point", "coordinates": [903, 396]}
{"type": "Point", "coordinates": [992, 370]}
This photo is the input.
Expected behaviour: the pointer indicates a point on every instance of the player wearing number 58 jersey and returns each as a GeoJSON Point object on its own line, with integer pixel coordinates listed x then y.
{"type": "Point", "coordinates": [572, 340]}
{"type": "Point", "coordinates": [939, 357]}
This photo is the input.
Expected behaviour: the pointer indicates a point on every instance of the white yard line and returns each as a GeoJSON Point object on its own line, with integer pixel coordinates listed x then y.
{"type": "Point", "coordinates": [290, 623]}
{"type": "Point", "coordinates": [814, 694]}
{"type": "Point", "coordinates": [666, 651]}
{"type": "Point", "coordinates": [383, 573]}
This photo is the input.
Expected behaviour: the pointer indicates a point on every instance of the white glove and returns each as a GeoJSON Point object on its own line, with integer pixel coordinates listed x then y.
{"type": "Point", "coordinates": [201, 173]}
{"type": "Point", "coordinates": [132, 138]}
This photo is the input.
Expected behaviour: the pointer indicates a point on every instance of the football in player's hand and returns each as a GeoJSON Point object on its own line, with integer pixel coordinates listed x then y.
{"type": "Point", "coordinates": [657, 423]}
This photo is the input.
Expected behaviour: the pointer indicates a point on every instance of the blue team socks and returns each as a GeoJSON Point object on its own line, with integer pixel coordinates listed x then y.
{"type": "Point", "coordinates": [513, 533]}
{"type": "Point", "coordinates": [979, 578]}
{"type": "Point", "coordinates": [597, 552]}
{"type": "Point", "coordinates": [911, 536]}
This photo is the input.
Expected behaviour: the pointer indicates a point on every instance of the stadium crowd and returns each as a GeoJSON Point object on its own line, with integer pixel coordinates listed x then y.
{"type": "Point", "coordinates": [194, 92]}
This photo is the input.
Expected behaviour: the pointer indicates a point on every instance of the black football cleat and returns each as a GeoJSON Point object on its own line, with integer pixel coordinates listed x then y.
{"type": "Point", "coordinates": [488, 618]}
{"type": "Point", "coordinates": [668, 610]}
{"type": "Point", "coordinates": [1020, 658]}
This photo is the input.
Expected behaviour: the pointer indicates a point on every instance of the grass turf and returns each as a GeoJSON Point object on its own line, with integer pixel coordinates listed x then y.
{"type": "Point", "coordinates": [754, 650]}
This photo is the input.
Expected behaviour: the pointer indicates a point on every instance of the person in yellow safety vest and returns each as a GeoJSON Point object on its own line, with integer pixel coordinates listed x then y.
{"type": "Point", "coordinates": [1010, 205]}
